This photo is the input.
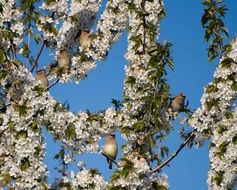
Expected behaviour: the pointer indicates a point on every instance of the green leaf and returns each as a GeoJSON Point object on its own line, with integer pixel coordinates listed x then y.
{"type": "Point", "coordinates": [164, 151]}
{"type": "Point", "coordinates": [2, 55]}
{"type": "Point", "coordinates": [26, 50]}
{"type": "Point", "coordinates": [221, 129]}
{"type": "Point", "coordinates": [11, 126]}
{"type": "Point", "coordinates": [70, 132]}
{"type": "Point", "coordinates": [22, 109]}
{"type": "Point", "coordinates": [50, 28]}
{"type": "Point", "coordinates": [234, 140]}
{"type": "Point", "coordinates": [25, 164]}
{"type": "Point", "coordinates": [35, 126]}
{"type": "Point", "coordinates": [130, 80]}
{"type": "Point", "coordinates": [117, 104]}
{"type": "Point", "coordinates": [59, 108]}
{"type": "Point", "coordinates": [222, 149]}
{"type": "Point", "coordinates": [157, 186]}
{"type": "Point", "coordinates": [1, 7]}
{"type": "Point", "coordinates": [22, 134]}
{"type": "Point", "coordinates": [211, 88]}
{"type": "Point", "coordinates": [3, 73]}
{"type": "Point", "coordinates": [116, 188]}
{"type": "Point", "coordinates": [38, 149]}
{"type": "Point", "coordinates": [84, 58]}
{"type": "Point", "coordinates": [116, 175]}
{"type": "Point", "coordinates": [44, 186]}
{"type": "Point", "coordinates": [128, 167]}
{"type": "Point", "coordinates": [6, 178]}
{"type": "Point", "coordinates": [138, 41]}
{"type": "Point", "coordinates": [139, 126]}
{"type": "Point", "coordinates": [125, 130]}
{"type": "Point", "coordinates": [57, 156]}
{"type": "Point", "coordinates": [171, 64]}
{"type": "Point", "coordinates": [218, 178]}
{"type": "Point", "coordinates": [229, 115]}
{"type": "Point", "coordinates": [152, 141]}
{"type": "Point", "coordinates": [60, 154]}
{"type": "Point", "coordinates": [48, 2]}
{"type": "Point", "coordinates": [95, 117]}
{"type": "Point", "coordinates": [234, 86]}
{"type": "Point", "coordinates": [227, 62]}
{"type": "Point", "coordinates": [227, 48]}
{"type": "Point", "coordinates": [212, 103]}
{"type": "Point", "coordinates": [1, 121]}
{"type": "Point", "coordinates": [207, 132]}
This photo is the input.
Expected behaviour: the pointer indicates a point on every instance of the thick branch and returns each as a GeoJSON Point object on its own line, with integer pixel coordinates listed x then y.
{"type": "Point", "coordinates": [158, 168]}
{"type": "Point", "coordinates": [38, 56]}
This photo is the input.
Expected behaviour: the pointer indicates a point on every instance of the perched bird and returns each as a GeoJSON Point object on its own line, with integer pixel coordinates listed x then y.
{"type": "Point", "coordinates": [110, 149]}
{"type": "Point", "coordinates": [63, 59]}
{"type": "Point", "coordinates": [177, 103]}
{"type": "Point", "coordinates": [42, 77]}
{"type": "Point", "coordinates": [16, 91]}
{"type": "Point", "coordinates": [84, 38]}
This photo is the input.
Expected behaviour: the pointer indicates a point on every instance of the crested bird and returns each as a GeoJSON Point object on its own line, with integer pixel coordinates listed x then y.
{"type": "Point", "coordinates": [84, 38]}
{"type": "Point", "coordinates": [63, 59]}
{"type": "Point", "coordinates": [42, 77]}
{"type": "Point", "coordinates": [177, 104]}
{"type": "Point", "coordinates": [110, 149]}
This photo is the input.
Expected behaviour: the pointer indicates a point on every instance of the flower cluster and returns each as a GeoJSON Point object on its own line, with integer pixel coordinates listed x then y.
{"type": "Point", "coordinates": [215, 119]}
{"type": "Point", "coordinates": [137, 84]}
{"type": "Point", "coordinates": [219, 95]}
{"type": "Point", "coordinates": [223, 167]}
{"type": "Point", "coordinates": [11, 14]}
{"type": "Point", "coordinates": [134, 173]}
{"type": "Point", "coordinates": [84, 179]}
{"type": "Point", "coordinates": [24, 147]}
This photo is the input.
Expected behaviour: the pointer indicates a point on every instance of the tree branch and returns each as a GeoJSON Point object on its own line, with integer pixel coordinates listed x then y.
{"type": "Point", "coordinates": [12, 47]}
{"type": "Point", "coordinates": [144, 25]}
{"type": "Point", "coordinates": [110, 159]}
{"type": "Point", "coordinates": [190, 136]}
{"type": "Point", "coordinates": [38, 56]}
{"type": "Point", "coordinates": [51, 85]}
{"type": "Point", "coordinates": [28, 43]}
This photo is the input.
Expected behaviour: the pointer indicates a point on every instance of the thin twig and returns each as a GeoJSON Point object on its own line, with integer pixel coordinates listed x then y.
{"type": "Point", "coordinates": [12, 47]}
{"type": "Point", "coordinates": [51, 85]}
{"type": "Point", "coordinates": [175, 153]}
{"type": "Point", "coordinates": [38, 56]}
{"type": "Point", "coordinates": [28, 44]}
{"type": "Point", "coordinates": [110, 159]}
{"type": "Point", "coordinates": [144, 25]}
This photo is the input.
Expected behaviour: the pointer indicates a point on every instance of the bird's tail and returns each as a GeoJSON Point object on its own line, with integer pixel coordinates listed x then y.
{"type": "Point", "coordinates": [110, 164]}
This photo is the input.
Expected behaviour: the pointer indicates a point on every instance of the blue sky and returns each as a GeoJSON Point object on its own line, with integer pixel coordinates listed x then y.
{"type": "Point", "coordinates": [192, 72]}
